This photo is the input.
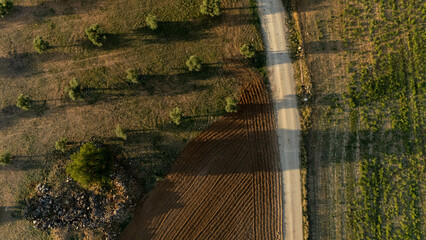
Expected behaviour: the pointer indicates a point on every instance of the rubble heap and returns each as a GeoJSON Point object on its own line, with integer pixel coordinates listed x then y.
{"type": "Point", "coordinates": [77, 208]}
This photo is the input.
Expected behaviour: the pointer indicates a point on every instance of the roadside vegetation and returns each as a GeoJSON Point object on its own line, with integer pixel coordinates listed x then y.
{"type": "Point", "coordinates": [364, 143]}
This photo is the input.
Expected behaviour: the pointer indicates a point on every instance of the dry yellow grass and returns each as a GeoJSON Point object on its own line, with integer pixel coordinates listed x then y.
{"type": "Point", "coordinates": [143, 109]}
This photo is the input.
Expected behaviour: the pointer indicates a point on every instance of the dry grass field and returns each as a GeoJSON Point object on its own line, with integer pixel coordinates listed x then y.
{"type": "Point", "coordinates": [365, 142]}
{"type": "Point", "coordinates": [153, 142]}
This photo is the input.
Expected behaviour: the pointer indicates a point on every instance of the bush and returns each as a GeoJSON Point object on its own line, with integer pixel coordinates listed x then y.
{"type": "Point", "coordinates": [151, 21]}
{"type": "Point", "coordinates": [5, 158]}
{"type": "Point", "coordinates": [61, 144]}
{"type": "Point", "coordinates": [74, 89]}
{"type": "Point", "coordinates": [95, 34]}
{"type": "Point", "coordinates": [133, 75]}
{"type": "Point", "coordinates": [231, 105]}
{"type": "Point", "coordinates": [194, 63]}
{"type": "Point", "coordinates": [176, 115]}
{"type": "Point", "coordinates": [40, 45]}
{"type": "Point", "coordinates": [120, 132]}
{"type": "Point", "coordinates": [210, 7]}
{"type": "Point", "coordinates": [23, 102]}
{"type": "Point", "coordinates": [247, 50]}
{"type": "Point", "coordinates": [90, 166]}
{"type": "Point", "coordinates": [5, 7]}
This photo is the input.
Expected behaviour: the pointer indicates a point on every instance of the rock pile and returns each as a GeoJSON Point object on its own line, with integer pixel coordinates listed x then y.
{"type": "Point", "coordinates": [78, 209]}
{"type": "Point", "coordinates": [74, 207]}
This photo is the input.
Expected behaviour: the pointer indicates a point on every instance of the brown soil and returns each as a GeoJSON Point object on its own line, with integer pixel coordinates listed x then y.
{"type": "Point", "coordinates": [225, 185]}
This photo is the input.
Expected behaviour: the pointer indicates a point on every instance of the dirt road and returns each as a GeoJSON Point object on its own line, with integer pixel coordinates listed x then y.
{"type": "Point", "coordinates": [272, 16]}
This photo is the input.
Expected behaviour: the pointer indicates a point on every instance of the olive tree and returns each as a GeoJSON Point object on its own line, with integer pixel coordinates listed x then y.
{"type": "Point", "coordinates": [151, 21]}
{"type": "Point", "coordinates": [96, 34]}
{"type": "Point", "coordinates": [23, 102]}
{"type": "Point", "coordinates": [120, 132]}
{"type": "Point", "coordinates": [40, 45]}
{"type": "Point", "coordinates": [176, 115]}
{"type": "Point", "coordinates": [133, 75]}
{"type": "Point", "coordinates": [231, 105]}
{"type": "Point", "coordinates": [5, 7]}
{"type": "Point", "coordinates": [5, 158]}
{"type": "Point", "coordinates": [194, 63]}
{"type": "Point", "coordinates": [247, 50]}
{"type": "Point", "coordinates": [210, 7]}
{"type": "Point", "coordinates": [74, 89]}
{"type": "Point", "coordinates": [61, 144]}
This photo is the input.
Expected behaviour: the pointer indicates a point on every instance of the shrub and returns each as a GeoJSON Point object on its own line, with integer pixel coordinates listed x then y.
{"type": "Point", "coordinates": [176, 115]}
{"type": "Point", "coordinates": [95, 34]}
{"type": "Point", "coordinates": [74, 89]}
{"type": "Point", "coordinates": [90, 166]}
{"type": "Point", "coordinates": [231, 105]}
{"type": "Point", "coordinates": [5, 158]}
{"type": "Point", "coordinates": [133, 75]}
{"type": "Point", "coordinates": [210, 7]}
{"type": "Point", "coordinates": [5, 7]}
{"type": "Point", "coordinates": [194, 63]}
{"type": "Point", "coordinates": [61, 144]}
{"type": "Point", "coordinates": [23, 102]}
{"type": "Point", "coordinates": [247, 50]}
{"type": "Point", "coordinates": [120, 132]}
{"type": "Point", "coordinates": [151, 21]}
{"type": "Point", "coordinates": [40, 45]}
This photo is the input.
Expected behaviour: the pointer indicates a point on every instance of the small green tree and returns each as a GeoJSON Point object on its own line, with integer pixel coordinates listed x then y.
{"type": "Point", "coordinates": [90, 166]}
{"type": "Point", "coordinates": [247, 50]}
{"type": "Point", "coordinates": [194, 63]}
{"type": "Point", "coordinates": [176, 115]}
{"type": "Point", "coordinates": [151, 21]}
{"type": "Point", "coordinates": [40, 45]}
{"type": "Point", "coordinates": [23, 102]}
{"type": "Point", "coordinates": [5, 158]}
{"type": "Point", "coordinates": [120, 132]}
{"type": "Point", "coordinates": [133, 75]}
{"type": "Point", "coordinates": [61, 144]}
{"type": "Point", "coordinates": [5, 7]}
{"type": "Point", "coordinates": [96, 34]}
{"type": "Point", "coordinates": [74, 89]}
{"type": "Point", "coordinates": [231, 105]}
{"type": "Point", "coordinates": [210, 7]}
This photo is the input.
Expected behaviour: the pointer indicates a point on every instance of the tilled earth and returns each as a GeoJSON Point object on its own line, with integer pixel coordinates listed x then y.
{"type": "Point", "coordinates": [225, 185]}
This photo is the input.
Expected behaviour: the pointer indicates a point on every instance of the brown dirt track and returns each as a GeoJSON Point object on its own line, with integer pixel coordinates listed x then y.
{"type": "Point", "coordinates": [225, 185]}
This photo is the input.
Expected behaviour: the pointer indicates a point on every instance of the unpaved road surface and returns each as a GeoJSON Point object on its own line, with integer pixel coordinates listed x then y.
{"type": "Point", "coordinates": [272, 16]}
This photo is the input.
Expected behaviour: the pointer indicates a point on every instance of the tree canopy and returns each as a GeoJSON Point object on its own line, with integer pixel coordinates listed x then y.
{"type": "Point", "coordinates": [95, 34]}
{"type": "Point", "coordinates": [90, 166]}
{"type": "Point", "coordinates": [210, 7]}
{"type": "Point", "coordinates": [5, 7]}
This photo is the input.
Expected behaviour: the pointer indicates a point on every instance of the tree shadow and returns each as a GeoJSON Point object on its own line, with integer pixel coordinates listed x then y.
{"type": "Point", "coordinates": [167, 31]}
{"type": "Point", "coordinates": [318, 47]}
{"type": "Point", "coordinates": [141, 222]}
{"type": "Point", "coordinates": [23, 163]}
{"type": "Point", "coordinates": [48, 8]}
{"type": "Point", "coordinates": [9, 214]}
{"type": "Point", "coordinates": [25, 64]}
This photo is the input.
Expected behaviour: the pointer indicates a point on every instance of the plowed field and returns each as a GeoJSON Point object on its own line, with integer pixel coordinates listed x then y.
{"type": "Point", "coordinates": [225, 185]}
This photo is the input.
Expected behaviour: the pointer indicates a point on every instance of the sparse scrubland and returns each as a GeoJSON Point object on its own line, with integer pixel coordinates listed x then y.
{"type": "Point", "coordinates": [79, 80]}
{"type": "Point", "coordinates": [361, 69]}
